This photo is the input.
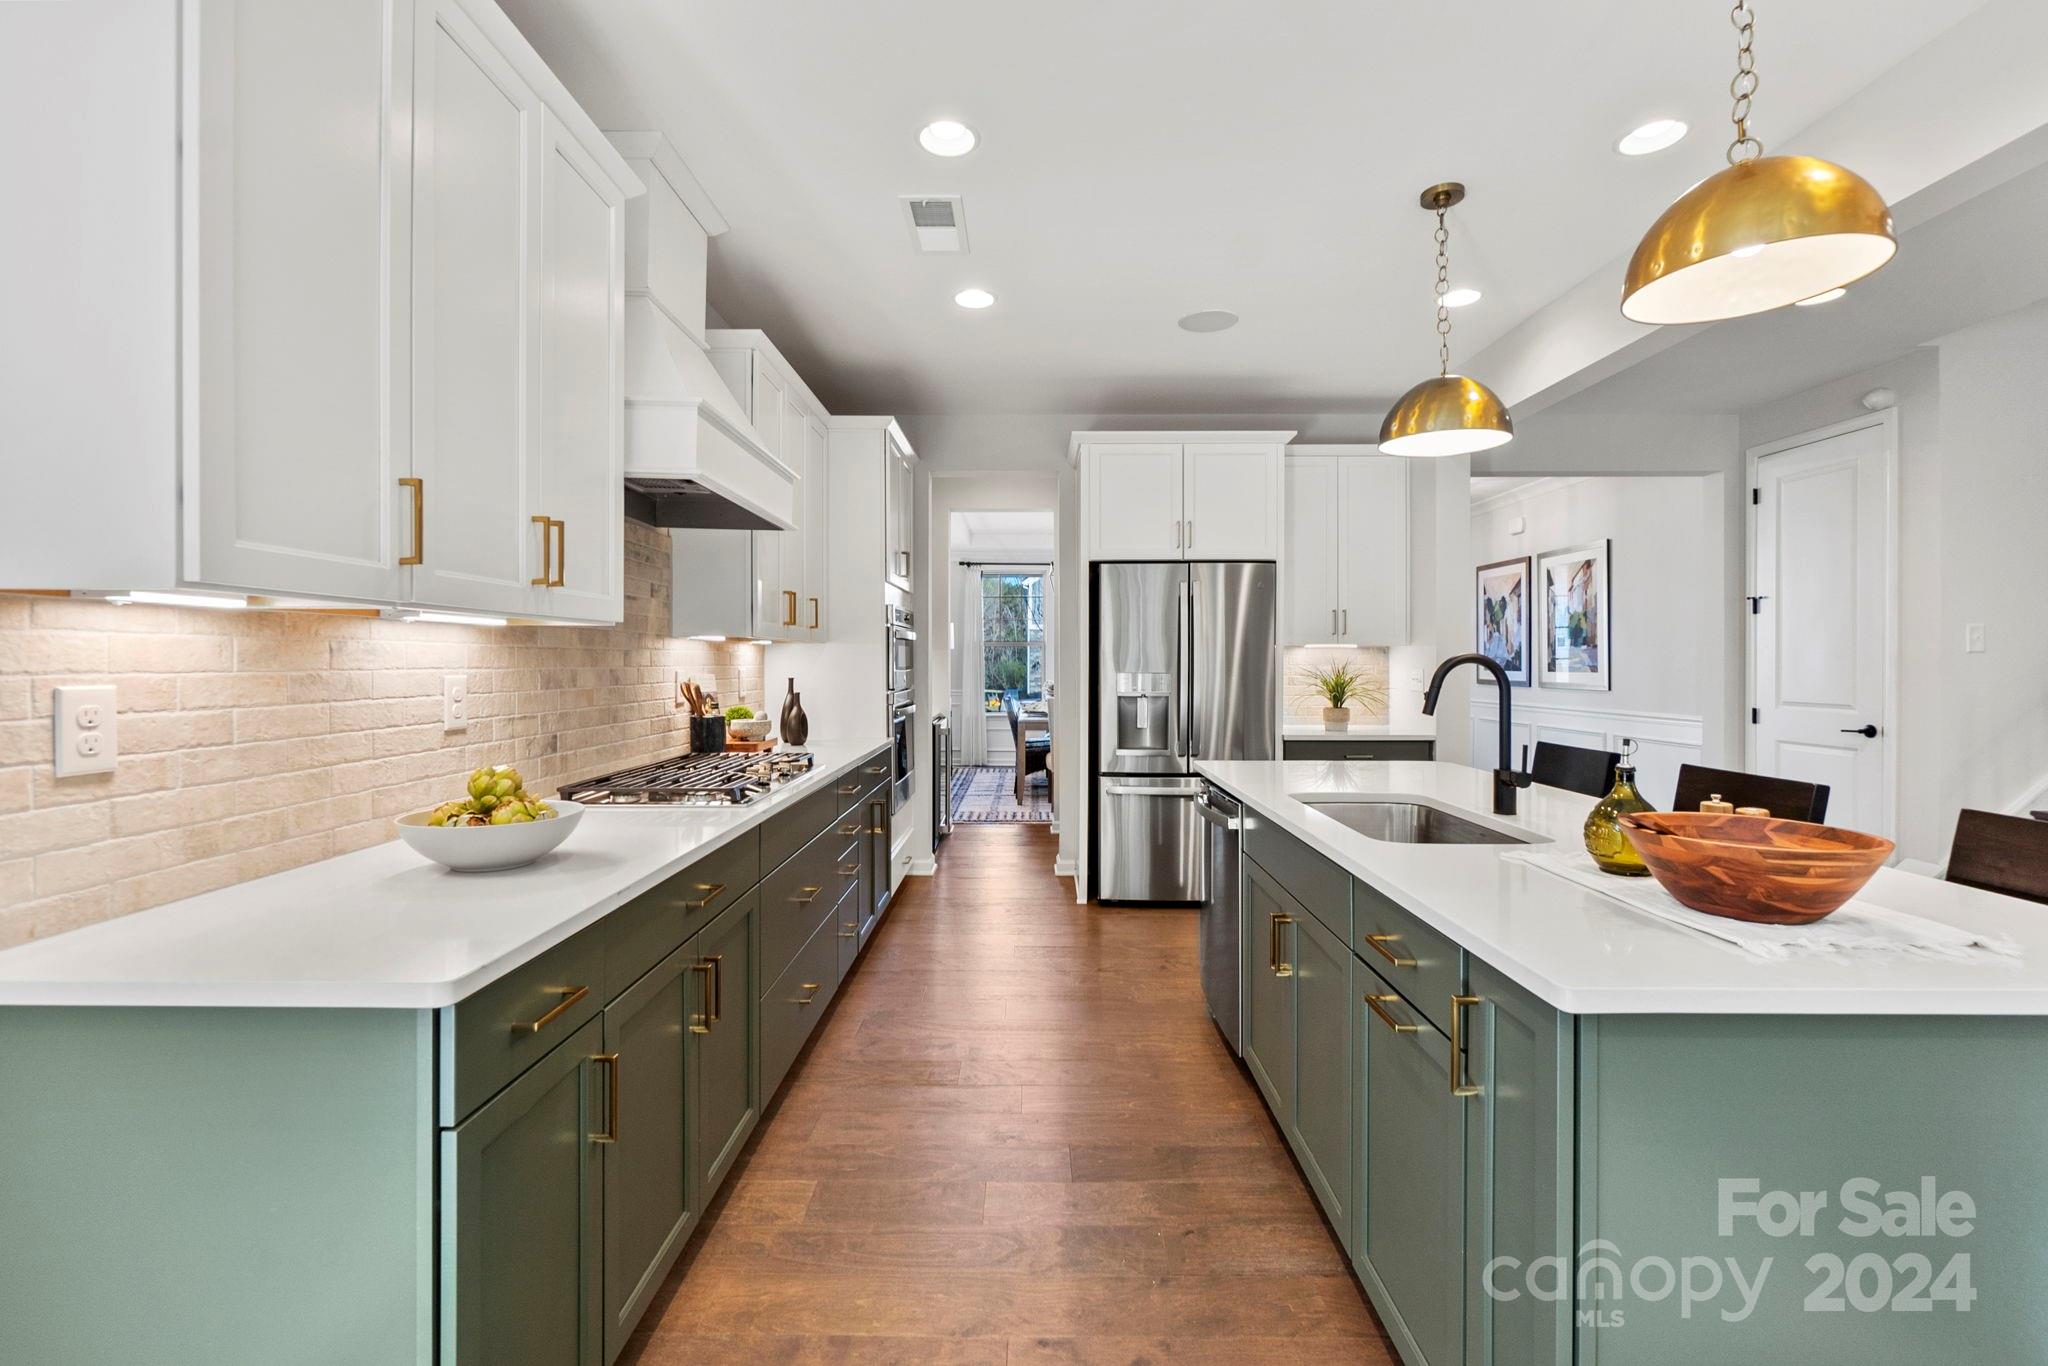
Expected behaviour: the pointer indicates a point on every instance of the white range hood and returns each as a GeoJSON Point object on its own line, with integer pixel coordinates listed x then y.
{"type": "Point", "coordinates": [693, 458]}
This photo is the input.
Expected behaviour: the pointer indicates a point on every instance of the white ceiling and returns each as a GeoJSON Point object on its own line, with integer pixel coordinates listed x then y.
{"type": "Point", "coordinates": [1008, 530]}
{"type": "Point", "coordinates": [1146, 158]}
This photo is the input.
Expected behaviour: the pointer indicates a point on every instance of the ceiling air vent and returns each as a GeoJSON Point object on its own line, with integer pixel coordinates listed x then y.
{"type": "Point", "coordinates": [938, 223]}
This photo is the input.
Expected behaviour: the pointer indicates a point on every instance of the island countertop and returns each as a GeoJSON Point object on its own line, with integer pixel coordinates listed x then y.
{"type": "Point", "coordinates": [1586, 954]}
{"type": "Point", "coordinates": [383, 927]}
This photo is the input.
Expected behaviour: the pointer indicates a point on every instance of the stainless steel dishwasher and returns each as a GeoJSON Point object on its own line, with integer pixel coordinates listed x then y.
{"type": "Point", "coordinates": [1222, 965]}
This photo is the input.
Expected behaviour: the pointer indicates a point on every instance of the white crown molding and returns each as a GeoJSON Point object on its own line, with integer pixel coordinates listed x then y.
{"type": "Point", "coordinates": [1534, 489]}
{"type": "Point", "coordinates": [668, 163]}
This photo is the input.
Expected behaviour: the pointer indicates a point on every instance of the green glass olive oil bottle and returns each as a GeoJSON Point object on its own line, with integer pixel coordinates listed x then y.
{"type": "Point", "coordinates": [1605, 840]}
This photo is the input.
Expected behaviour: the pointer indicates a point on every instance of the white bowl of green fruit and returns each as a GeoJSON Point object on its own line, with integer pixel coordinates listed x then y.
{"type": "Point", "coordinates": [497, 826]}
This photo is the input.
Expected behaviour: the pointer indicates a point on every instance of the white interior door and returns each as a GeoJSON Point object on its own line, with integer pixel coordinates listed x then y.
{"type": "Point", "coordinates": [1820, 656]}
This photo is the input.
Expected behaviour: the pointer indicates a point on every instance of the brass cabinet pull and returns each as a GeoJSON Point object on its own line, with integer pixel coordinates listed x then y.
{"type": "Point", "coordinates": [611, 1099]}
{"type": "Point", "coordinates": [570, 996]}
{"type": "Point", "coordinates": [853, 829]}
{"type": "Point", "coordinates": [850, 870]}
{"type": "Point", "coordinates": [1379, 1008]}
{"type": "Point", "coordinates": [807, 900]}
{"type": "Point", "coordinates": [713, 969]}
{"type": "Point", "coordinates": [813, 988]}
{"type": "Point", "coordinates": [547, 526]}
{"type": "Point", "coordinates": [814, 614]}
{"type": "Point", "coordinates": [702, 1025]}
{"type": "Point", "coordinates": [789, 607]}
{"type": "Point", "coordinates": [850, 790]}
{"type": "Point", "coordinates": [712, 891]}
{"type": "Point", "coordinates": [1459, 1086]}
{"type": "Point", "coordinates": [1281, 967]}
{"type": "Point", "coordinates": [849, 929]}
{"type": "Point", "coordinates": [1380, 942]}
{"type": "Point", "coordinates": [875, 770]}
{"type": "Point", "coordinates": [561, 553]}
{"type": "Point", "coordinates": [419, 520]}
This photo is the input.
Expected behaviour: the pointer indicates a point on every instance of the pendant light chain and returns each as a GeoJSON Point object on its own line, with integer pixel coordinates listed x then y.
{"type": "Point", "coordinates": [1743, 87]}
{"type": "Point", "coordinates": [1443, 284]}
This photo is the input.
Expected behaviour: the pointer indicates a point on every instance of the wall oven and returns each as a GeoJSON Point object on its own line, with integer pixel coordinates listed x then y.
{"type": "Point", "coordinates": [902, 641]}
{"type": "Point", "coordinates": [903, 737]}
{"type": "Point", "coordinates": [901, 636]}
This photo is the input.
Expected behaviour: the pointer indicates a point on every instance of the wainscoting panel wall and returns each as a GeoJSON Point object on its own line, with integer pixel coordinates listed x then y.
{"type": "Point", "coordinates": [1663, 741]}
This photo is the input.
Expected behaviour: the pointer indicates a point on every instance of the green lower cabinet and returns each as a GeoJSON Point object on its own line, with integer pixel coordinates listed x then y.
{"type": "Point", "coordinates": [1322, 1128]}
{"type": "Point", "coordinates": [724, 1065]}
{"type": "Point", "coordinates": [1410, 1245]}
{"type": "Point", "coordinates": [1269, 915]}
{"type": "Point", "coordinates": [650, 1197]}
{"type": "Point", "coordinates": [1519, 1177]}
{"type": "Point", "coordinates": [522, 1218]}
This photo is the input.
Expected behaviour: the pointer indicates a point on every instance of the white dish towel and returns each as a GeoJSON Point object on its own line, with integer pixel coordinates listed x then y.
{"type": "Point", "coordinates": [1858, 927]}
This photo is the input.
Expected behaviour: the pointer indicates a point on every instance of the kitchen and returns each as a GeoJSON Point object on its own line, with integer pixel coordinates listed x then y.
{"type": "Point", "coordinates": [439, 408]}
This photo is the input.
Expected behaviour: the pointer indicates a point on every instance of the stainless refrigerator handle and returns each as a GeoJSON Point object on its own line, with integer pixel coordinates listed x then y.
{"type": "Point", "coordinates": [1188, 673]}
{"type": "Point", "coordinates": [1121, 790]}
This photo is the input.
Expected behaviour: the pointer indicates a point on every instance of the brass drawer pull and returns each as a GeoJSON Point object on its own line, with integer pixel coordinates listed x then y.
{"type": "Point", "coordinates": [853, 829]}
{"type": "Point", "coordinates": [813, 988]}
{"type": "Point", "coordinates": [547, 530]}
{"type": "Point", "coordinates": [850, 931]}
{"type": "Point", "coordinates": [850, 790]}
{"type": "Point", "coordinates": [570, 996]}
{"type": "Point", "coordinates": [611, 1099]}
{"type": "Point", "coordinates": [712, 891]}
{"type": "Point", "coordinates": [419, 520]}
{"type": "Point", "coordinates": [851, 870]}
{"type": "Point", "coordinates": [1459, 1086]}
{"type": "Point", "coordinates": [1380, 942]}
{"type": "Point", "coordinates": [807, 900]}
{"type": "Point", "coordinates": [1379, 1008]}
{"type": "Point", "coordinates": [1275, 956]}
{"type": "Point", "coordinates": [875, 771]}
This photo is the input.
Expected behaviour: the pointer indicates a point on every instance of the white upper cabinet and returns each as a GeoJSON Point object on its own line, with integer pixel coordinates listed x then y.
{"type": "Point", "coordinates": [393, 247]}
{"type": "Point", "coordinates": [1311, 615]}
{"type": "Point", "coordinates": [817, 524]}
{"type": "Point", "coordinates": [899, 513]}
{"type": "Point", "coordinates": [1346, 564]}
{"type": "Point", "coordinates": [582, 405]}
{"type": "Point", "coordinates": [476, 277]}
{"type": "Point", "coordinates": [1231, 500]}
{"type": "Point", "coordinates": [300, 157]}
{"type": "Point", "coordinates": [1180, 495]}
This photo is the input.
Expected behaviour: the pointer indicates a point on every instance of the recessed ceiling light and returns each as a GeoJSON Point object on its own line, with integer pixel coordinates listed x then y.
{"type": "Point", "coordinates": [1824, 297]}
{"type": "Point", "coordinates": [1653, 136]}
{"type": "Point", "coordinates": [946, 138]}
{"type": "Point", "coordinates": [1458, 298]}
{"type": "Point", "coordinates": [974, 298]}
{"type": "Point", "coordinates": [1209, 320]}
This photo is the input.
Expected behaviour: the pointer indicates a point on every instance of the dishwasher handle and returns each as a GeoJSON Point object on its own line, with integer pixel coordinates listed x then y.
{"type": "Point", "coordinates": [1216, 817]}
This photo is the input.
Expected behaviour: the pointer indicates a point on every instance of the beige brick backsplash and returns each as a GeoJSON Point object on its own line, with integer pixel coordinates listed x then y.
{"type": "Point", "coordinates": [259, 741]}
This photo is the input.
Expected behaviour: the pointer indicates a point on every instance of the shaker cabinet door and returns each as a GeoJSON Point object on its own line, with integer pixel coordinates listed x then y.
{"type": "Point", "coordinates": [1373, 606]}
{"type": "Point", "coordinates": [1271, 920]}
{"type": "Point", "coordinates": [1322, 1129]}
{"type": "Point", "coordinates": [1134, 496]}
{"type": "Point", "coordinates": [1311, 553]}
{"type": "Point", "coordinates": [725, 1038]}
{"type": "Point", "coordinates": [582, 376]}
{"type": "Point", "coordinates": [1232, 508]}
{"type": "Point", "coordinates": [476, 273]}
{"type": "Point", "coordinates": [1519, 1168]}
{"type": "Point", "coordinates": [521, 1219]}
{"type": "Point", "coordinates": [301, 184]}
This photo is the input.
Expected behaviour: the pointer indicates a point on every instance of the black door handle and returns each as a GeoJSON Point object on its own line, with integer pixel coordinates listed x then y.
{"type": "Point", "coordinates": [1867, 732]}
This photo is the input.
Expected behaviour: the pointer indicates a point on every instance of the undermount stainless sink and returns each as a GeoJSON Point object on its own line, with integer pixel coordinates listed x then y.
{"type": "Point", "coordinates": [1400, 822]}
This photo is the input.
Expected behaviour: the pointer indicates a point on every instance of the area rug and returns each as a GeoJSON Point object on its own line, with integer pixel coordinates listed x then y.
{"type": "Point", "coordinates": [988, 793]}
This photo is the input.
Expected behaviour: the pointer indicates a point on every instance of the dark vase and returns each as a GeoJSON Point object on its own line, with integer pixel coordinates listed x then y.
{"type": "Point", "coordinates": [796, 727]}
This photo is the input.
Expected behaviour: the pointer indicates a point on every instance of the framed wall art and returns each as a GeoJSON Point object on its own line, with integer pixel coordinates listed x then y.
{"type": "Point", "coordinates": [1504, 614]}
{"type": "Point", "coordinates": [1575, 641]}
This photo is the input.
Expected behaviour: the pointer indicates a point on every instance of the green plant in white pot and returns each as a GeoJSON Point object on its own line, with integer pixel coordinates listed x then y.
{"type": "Point", "coordinates": [1340, 684]}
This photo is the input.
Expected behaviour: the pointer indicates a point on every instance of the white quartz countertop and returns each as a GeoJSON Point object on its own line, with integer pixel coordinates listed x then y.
{"type": "Point", "coordinates": [1399, 726]}
{"type": "Point", "coordinates": [1587, 954]}
{"type": "Point", "coordinates": [383, 927]}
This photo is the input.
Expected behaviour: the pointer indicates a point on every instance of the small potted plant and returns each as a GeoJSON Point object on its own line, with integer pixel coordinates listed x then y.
{"type": "Point", "coordinates": [1340, 685]}
{"type": "Point", "coordinates": [742, 724]}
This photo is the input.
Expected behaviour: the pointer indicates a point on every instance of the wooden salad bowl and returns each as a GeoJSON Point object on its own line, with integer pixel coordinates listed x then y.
{"type": "Point", "coordinates": [1755, 868]}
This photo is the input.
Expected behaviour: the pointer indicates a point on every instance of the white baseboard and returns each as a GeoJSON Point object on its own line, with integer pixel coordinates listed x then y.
{"type": "Point", "coordinates": [923, 867]}
{"type": "Point", "coordinates": [1063, 866]}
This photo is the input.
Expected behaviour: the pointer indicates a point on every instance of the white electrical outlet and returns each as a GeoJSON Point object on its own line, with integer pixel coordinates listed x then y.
{"type": "Point", "coordinates": [83, 733]}
{"type": "Point", "coordinates": [454, 703]}
{"type": "Point", "coordinates": [1973, 638]}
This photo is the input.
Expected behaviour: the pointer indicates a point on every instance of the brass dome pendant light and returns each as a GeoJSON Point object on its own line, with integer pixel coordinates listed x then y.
{"type": "Point", "coordinates": [1450, 414]}
{"type": "Point", "coordinates": [1762, 234]}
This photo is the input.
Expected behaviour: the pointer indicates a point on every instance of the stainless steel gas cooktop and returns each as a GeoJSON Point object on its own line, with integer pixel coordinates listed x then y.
{"type": "Point", "coordinates": [728, 779]}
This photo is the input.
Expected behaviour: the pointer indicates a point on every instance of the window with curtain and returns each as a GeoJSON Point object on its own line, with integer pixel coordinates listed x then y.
{"type": "Point", "coordinates": [1012, 637]}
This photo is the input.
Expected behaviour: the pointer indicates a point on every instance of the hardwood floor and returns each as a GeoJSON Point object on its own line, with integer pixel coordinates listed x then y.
{"type": "Point", "coordinates": [1017, 1138]}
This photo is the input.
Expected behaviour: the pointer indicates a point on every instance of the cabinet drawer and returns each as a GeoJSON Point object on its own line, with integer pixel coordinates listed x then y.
{"type": "Point", "coordinates": [798, 897]}
{"type": "Point", "coordinates": [1319, 885]}
{"type": "Point", "coordinates": [796, 1001]}
{"type": "Point", "coordinates": [1358, 750]}
{"type": "Point", "coordinates": [1424, 966]}
{"type": "Point", "coordinates": [788, 832]}
{"type": "Point", "coordinates": [649, 927]}
{"type": "Point", "coordinates": [490, 1037]}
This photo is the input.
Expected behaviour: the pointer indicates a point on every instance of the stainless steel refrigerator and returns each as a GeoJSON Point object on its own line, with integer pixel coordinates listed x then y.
{"type": "Point", "coordinates": [1186, 667]}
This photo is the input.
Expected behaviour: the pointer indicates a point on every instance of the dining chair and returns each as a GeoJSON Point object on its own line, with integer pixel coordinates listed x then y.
{"type": "Point", "coordinates": [1034, 752]}
{"type": "Point", "coordinates": [1997, 853]}
{"type": "Point", "coordinates": [1590, 771]}
{"type": "Point", "coordinates": [1783, 797]}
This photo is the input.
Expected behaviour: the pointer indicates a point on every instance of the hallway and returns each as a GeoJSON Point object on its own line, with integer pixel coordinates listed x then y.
{"type": "Point", "coordinates": [1017, 1138]}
